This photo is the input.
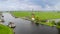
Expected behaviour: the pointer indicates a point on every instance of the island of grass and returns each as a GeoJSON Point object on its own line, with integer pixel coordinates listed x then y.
{"type": "Point", "coordinates": [5, 30]}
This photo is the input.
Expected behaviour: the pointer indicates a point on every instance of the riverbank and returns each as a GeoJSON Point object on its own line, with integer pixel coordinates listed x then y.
{"type": "Point", "coordinates": [5, 30]}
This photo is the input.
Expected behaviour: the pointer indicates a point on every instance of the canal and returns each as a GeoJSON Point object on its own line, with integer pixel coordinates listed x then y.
{"type": "Point", "coordinates": [26, 27]}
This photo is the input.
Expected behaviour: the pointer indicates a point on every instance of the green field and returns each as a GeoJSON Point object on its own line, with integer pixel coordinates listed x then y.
{"type": "Point", "coordinates": [5, 30]}
{"type": "Point", "coordinates": [41, 15]}
{"type": "Point", "coordinates": [21, 14]}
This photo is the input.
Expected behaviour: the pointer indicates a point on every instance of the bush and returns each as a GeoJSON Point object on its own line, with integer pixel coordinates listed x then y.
{"type": "Point", "coordinates": [43, 20]}
{"type": "Point", "coordinates": [53, 22]}
{"type": "Point", "coordinates": [58, 23]}
{"type": "Point", "coordinates": [37, 20]}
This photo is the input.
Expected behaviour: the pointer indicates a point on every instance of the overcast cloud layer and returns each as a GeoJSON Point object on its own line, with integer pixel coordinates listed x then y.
{"type": "Point", "coordinates": [29, 5]}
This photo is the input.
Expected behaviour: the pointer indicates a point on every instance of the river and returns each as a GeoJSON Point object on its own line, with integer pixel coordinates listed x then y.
{"type": "Point", "coordinates": [26, 27]}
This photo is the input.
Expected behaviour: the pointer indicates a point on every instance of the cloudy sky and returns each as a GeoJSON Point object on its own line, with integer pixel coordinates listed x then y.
{"type": "Point", "coordinates": [29, 5]}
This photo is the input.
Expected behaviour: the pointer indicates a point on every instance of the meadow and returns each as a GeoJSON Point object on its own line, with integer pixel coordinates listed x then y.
{"type": "Point", "coordinates": [41, 14]}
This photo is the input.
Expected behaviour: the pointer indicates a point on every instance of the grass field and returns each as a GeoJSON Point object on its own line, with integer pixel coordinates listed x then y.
{"type": "Point", "coordinates": [21, 14]}
{"type": "Point", "coordinates": [41, 15]}
{"type": "Point", "coordinates": [5, 30]}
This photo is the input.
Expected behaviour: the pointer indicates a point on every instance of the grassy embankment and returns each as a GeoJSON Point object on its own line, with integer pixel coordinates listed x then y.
{"type": "Point", "coordinates": [41, 15]}
{"type": "Point", "coordinates": [5, 30]}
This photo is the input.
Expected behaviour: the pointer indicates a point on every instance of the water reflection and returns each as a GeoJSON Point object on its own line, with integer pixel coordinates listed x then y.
{"type": "Point", "coordinates": [37, 24]}
{"type": "Point", "coordinates": [7, 18]}
{"type": "Point", "coordinates": [58, 30]}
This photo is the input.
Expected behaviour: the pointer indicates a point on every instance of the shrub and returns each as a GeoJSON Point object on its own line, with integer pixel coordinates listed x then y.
{"type": "Point", "coordinates": [43, 20]}
{"type": "Point", "coordinates": [58, 23]}
{"type": "Point", "coordinates": [53, 22]}
{"type": "Point", "coordinates": [37, 20]}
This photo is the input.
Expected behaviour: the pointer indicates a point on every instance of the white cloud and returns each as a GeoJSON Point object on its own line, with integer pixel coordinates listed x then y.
{"type": "Point", "coordinates": [57, 6]}
{"type": "Point", "coordinates": [25, 5]}
{"type": "Point", "coordinates": [18, 5]}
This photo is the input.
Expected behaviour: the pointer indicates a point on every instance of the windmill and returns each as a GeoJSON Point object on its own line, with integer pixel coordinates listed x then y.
{"type": "Point", "coordinates": [33, 15]}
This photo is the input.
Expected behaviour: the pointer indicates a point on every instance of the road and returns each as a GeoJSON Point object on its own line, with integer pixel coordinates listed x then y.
{"type": "Point", "coordinates": [26, 27]}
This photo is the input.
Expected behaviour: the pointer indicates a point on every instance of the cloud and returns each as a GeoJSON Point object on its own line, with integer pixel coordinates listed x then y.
{"type": "Point", "coordinates": [29, 5]}
{"type": "Point", "coordinates": [24, 6]}
{"type": "Point", "coordinates": [18, 5]}
{"type": "Point", "coordinates": [55, 7]}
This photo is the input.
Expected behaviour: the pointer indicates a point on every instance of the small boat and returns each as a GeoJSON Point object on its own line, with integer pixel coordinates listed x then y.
{"type": "Point", "coordinates": [2, 16]}
{"type": "Point", "coordinates": [12, 25]}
